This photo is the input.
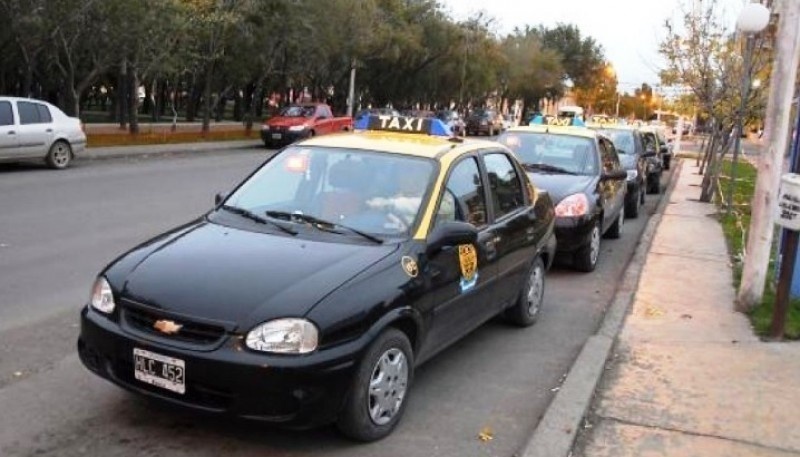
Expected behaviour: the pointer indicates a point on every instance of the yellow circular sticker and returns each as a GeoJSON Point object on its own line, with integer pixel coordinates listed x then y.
{"type": "Point", "coordinates": [409, 266]}
{"type": "Point", "coordinates": [468, 260]}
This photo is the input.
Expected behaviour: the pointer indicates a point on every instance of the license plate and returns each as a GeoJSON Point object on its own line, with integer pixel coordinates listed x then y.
{"type": "Point", "coordinates": [276, 136]}
{"type": "Point", "coordinates": [159, 370]}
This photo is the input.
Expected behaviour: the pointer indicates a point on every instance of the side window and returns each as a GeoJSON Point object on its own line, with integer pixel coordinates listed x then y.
{"type": "Point", "coordinates": [6, 115]}
{"type": "Point", "coordinates": [463, 198]}
{"type": "Point", "coordinates": [28, 114]}
{"type": "Point", "coordinates": [324, 112]}
{"type": "Point", "coordinates": [609, 155]}
{"type": "Point", "coordinates": [44, 114]}
{"type": "Point", "coordinates": [649, 141]}
{"type": "Point", "coordinates": [504, 184]}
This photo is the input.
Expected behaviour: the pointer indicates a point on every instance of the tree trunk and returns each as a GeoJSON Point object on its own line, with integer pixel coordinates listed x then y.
{"type": "Point", "coordinates": [207, 99]}
{"type": "Point", "coordinates": [238, 109]}
{"type": "Point", "coordinates": [122, 95]}
{"type": "Point", "coordinates": [133, 98]}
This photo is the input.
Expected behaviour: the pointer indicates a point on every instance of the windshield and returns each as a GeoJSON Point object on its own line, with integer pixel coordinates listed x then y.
{"type": "Point", "coordinates": [573, 154]}
{"type": "Point", "coordinates": [376, 193]}
{"type": "Point", "coordinates": [298, 111]}
{"type": "Point", "coordinates": [622, 139]}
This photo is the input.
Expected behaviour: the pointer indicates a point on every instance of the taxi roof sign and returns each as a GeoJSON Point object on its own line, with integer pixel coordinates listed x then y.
{"type": "Point", "coordinates": [401, 124]}
{"type": "Point", "coordinates": [557, 121]}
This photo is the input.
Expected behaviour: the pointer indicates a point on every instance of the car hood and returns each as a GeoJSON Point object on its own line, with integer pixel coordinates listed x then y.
{"type": "Point", "coordinates": [280, 121]}
{"type": "Point", "coordinates": [236, 276]}
{"type": "Point", "coordinates": [560, 185]}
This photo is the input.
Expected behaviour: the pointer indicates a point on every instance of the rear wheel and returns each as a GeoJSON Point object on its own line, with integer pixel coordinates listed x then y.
{"type": "Point", "coordinates": [654, 184]}
{"type": "Point", "coordinates": [526, 310]}
{"type": "Point", "coordinates": [585, 258]}
{"type": "Point", "coordinates": [632, 204]}
{"type": "Point", "coordinates": [377, 396]}
{"type": "Point", "coordinates": [59, 156]}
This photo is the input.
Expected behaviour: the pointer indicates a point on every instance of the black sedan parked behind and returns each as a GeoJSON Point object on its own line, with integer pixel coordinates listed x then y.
{"type": "Point", "coordinates": [633, 157]}
{"type": "Point", "coordinates": [310, 293]}
{"type": "Point", "coordinates": [581, 171]}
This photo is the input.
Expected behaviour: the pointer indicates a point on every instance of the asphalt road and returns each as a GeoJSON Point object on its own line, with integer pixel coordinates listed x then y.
{"type": "Point", "coordinates": [59, 228]}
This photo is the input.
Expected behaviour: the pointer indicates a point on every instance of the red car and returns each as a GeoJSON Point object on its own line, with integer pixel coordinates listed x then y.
{"type": "Point", "coordinates": [296, 122]}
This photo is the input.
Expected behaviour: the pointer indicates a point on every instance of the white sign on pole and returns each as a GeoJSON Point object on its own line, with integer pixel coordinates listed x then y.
{"type": "Point", "coordinates": [787, 211]}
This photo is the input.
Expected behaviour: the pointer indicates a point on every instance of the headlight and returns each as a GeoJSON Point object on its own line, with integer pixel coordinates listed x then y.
{"type": "Point", "coordinates": [102, 297]}
{"type": "Point", "coordinates": [574, 205]}
{"type": "Point", "coordinates": [283, 336]}
{"type": "Point", "coordinates": [297, 128]}
{"type": "Point", "coordinates": [632, 174]}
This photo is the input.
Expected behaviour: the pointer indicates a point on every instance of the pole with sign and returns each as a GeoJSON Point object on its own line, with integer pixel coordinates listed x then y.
{"type": "Point", "coordinates": [787, 216]}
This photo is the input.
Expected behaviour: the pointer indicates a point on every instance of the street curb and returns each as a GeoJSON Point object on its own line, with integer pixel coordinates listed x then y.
{"type": "Point", "coordinates": [122, 152]}
{"type": "Point", "coordinates": [555, 434]}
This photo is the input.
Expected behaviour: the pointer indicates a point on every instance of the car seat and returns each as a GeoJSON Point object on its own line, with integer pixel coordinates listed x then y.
{"type": "Point", "coordinates": [347, 179]}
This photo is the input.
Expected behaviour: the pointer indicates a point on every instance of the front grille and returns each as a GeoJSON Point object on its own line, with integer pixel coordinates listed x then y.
{"type": "Point", "coordinates": [144, 321]}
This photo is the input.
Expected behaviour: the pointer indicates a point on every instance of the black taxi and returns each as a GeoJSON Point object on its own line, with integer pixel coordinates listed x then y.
{"type": "Point", "coordinates": [581, 170]}
{"type": "Point", "coordinates": [309, 293]}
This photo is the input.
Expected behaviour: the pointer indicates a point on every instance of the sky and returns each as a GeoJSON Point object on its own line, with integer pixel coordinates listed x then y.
{"type": "Point", "coordinates": [628, 30]}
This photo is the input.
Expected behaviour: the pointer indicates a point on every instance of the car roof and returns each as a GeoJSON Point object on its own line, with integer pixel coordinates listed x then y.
{"type": "Point", "coordinates": [613, 126]}
{"type": "Point", "coordinates": [21, 99]}
{"type": "Point", "coordinates": [556, 130]}
{"type": "Point", "coordinates": [410, 144]}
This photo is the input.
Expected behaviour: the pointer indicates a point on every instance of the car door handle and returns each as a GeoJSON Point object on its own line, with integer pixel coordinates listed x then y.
{"type": "Point", "coordinates": [11, 132]}
{"type": "Point", "coordinates": [49, 130]}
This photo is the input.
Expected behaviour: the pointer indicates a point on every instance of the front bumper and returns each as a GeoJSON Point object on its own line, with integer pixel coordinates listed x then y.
{"type": "Point", "coordinates": [273, 137]}
{"type": "Point", "coordinates": [573, 233]}
{"type": "Point", "coordinates": [296, 391]}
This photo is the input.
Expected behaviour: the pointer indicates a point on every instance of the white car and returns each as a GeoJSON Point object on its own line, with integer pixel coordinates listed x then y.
{"type": "Point", "coordinates": [33, 129]}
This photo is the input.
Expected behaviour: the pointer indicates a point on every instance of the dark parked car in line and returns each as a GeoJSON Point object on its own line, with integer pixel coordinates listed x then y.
{"type": "Point", "coordinates": [630, 147]}
{"type": "Point", "coordinates": [581, 171]}
{"type": "Point", "coordinates": [484, 122]}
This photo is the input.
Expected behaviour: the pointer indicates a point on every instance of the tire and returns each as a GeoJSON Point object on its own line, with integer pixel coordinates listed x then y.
{"type": "Point", "coordinates": [667, 160]}
{"type": "Point", "coordinates": [632, 205]}
{"type": "Point", "coordinates": [526, 310]}
{"type": "Point", "coordinates": [585, 258]}
{"type": "Point", "coordinates": [654, 184]}
{"type": "Point", "coordinates": [615, 231]}
{"type": "Point", "coordinates": [643, 192]}
{"type": "Point", "coordinates": [362, 419]}
{"type": "Point", "coordinates": [59, 156]}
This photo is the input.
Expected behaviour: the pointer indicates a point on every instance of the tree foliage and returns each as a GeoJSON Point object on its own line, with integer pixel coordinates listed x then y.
{"type": "Point", "coordinates": [120, 59]}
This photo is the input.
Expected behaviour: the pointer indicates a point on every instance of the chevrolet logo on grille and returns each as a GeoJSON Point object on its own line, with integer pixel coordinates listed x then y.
{"type": "Point", "coordinates": [168, 327]}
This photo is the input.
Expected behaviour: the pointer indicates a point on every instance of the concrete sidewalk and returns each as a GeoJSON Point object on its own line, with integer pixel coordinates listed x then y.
{"type": "Point", "coordinates": [688, 377]}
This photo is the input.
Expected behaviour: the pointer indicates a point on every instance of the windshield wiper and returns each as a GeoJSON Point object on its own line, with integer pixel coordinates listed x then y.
{"type": "Point", "coordinates": [547, 167]}
{"type": "Point", "coordinates": [321, 224]}
{"type": "Point", "coordinates": [256, 218]}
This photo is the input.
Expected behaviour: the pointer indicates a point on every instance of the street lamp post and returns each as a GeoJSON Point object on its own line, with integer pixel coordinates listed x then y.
{"type": "Point", "coordinates": [753, 19]}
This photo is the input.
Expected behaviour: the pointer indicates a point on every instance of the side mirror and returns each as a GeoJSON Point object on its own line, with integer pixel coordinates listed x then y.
{"type": "Point", "coordinates": [219, 198]}
{"type": "Point", "coordinates": [451, 233]}
{"type": "Point", "coordinates": [664, 149]}
{"type": "Point", "coordinates": [616, 175]}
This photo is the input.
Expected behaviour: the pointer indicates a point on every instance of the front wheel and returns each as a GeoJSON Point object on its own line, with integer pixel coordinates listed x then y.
{"type": "Point", "coordinates": [376, 400]}
{"type": "Point", "coordinates": [586, 257]}
{"type": "Point", "coordinates": [59, 155]}
{"type": "Point", "coordinates": [526, 310]}
{"type": "Point", "coordinates": [632, 204]}
{"type": "Point", "coordinates": [615, 231]}
{"type": "Point", "coordinates": [654, 184]}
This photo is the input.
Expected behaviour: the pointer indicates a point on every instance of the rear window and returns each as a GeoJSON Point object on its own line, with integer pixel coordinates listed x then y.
{"type": "Point", "coordinates": [33, 113]}
{"type": "Point", "coordinates": [6, 114]}
{"type": "Point", "coordinates": [623, 140]}
{"type": "Point", "coordinates": [573, 154]}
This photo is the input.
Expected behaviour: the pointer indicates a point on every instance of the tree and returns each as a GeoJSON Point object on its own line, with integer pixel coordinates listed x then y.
{"type": "Point", "coordinates": [702, 55]}
{"type": "Point", "coordinates": [534, 72]}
